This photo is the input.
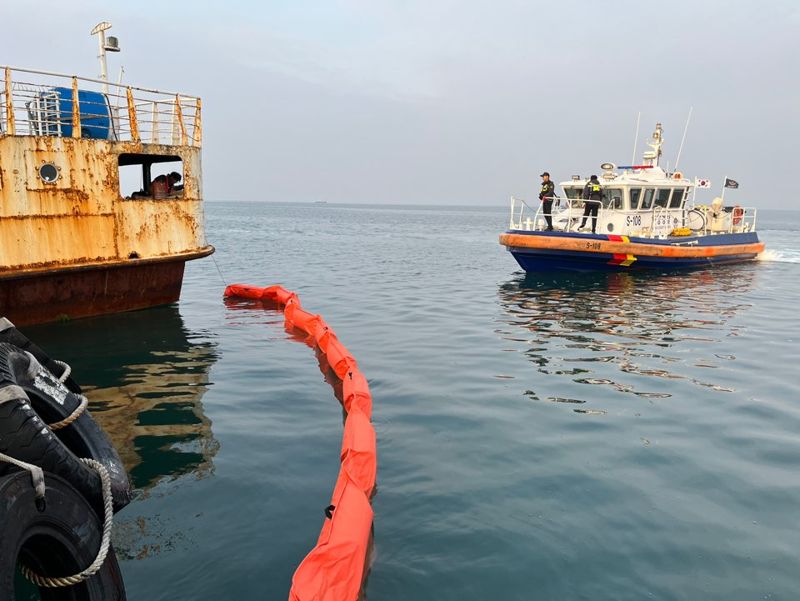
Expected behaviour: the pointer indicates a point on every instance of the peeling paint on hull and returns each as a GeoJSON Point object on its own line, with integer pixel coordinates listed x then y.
{"type": "Point", "coordinates": [57, 294]}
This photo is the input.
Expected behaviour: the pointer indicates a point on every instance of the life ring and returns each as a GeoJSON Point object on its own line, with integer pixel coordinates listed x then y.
{"type": "Point", "coordinates": [9, 333]}
{"type": "Point", "coordinates": [57, 538]}
{"type": "Point", "coordinates": [700, 212]}
{"type": "Point", "coordinates": [30, 397]}
{"type": "Point", "coordinates": [737, 215]}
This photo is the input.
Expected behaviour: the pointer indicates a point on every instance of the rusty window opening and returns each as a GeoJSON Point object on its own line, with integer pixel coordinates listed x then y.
{"type": "Point", "coordinates": [151, 176]}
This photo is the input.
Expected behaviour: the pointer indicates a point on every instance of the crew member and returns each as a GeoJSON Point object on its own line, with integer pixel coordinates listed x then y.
{"type": "Point", "coordinates": [166, 185]}
{"type": "Point", "coordinates": [592, 199]}
{"type": "Point", "coordinates": [546, 195]}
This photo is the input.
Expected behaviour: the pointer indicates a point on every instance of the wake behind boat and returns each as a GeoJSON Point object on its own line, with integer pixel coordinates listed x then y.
{"type": "Point", "coordinates": [644, 219]}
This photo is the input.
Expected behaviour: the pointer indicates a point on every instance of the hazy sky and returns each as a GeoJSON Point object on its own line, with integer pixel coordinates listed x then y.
{"type": "Point", "coordinates": [447, 102]}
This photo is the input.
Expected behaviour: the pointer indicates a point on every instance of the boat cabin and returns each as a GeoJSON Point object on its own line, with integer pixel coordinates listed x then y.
{"type": "Point", "coordinates": [637, 200]}
{"type": "Point", "coordinates": [632, 204]}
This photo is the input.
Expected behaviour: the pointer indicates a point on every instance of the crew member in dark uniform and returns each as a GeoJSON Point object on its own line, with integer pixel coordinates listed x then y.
{"type": "Point", "coordinates": [592, 199]}
{"type": "Point", "coordinates": [546, 195]}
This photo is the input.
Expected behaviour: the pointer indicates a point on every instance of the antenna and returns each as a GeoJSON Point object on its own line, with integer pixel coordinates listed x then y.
{"type": "Point", "coordinates": [110, 45]}
{"type": "Point", "coordinates": [636, 138]}
{"type": "Point", "coordinates": [683, 139]}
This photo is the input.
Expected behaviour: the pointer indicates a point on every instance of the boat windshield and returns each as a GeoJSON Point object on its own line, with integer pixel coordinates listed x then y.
{"type": "Point", "coordinates": [612, 198]}
{"type": "Point", "coordinates": [677, 198]}
{"type": "Point", "coordinates": [573, 192]}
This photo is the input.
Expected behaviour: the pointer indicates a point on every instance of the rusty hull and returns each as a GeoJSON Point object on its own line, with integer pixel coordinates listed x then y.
{"type": "Point", "coordinates": [76, 247]}
{"type": "Point", "coordinates": [72, 293]}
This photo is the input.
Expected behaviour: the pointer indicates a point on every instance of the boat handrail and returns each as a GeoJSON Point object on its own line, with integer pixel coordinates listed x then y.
{"type": "Point", "coordinates": [525, 217]}
{"type": "Point", "coordinates": [537, 222]}
{"type": "Point", "coordinates": [731, 219]}
{"type": "Point", "coordinates": [46, 103]}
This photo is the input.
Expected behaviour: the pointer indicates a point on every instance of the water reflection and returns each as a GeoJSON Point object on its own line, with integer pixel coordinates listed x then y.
{"type": "Point", "coordinates": [145, 375]}
{"type": "Point", "coordinates": [154, 413]}
{"type": "Point", "coordinates": [589, 327]}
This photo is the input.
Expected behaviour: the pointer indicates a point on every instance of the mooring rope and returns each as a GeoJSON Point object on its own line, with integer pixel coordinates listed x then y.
{"type": "Point", "coordinates": [37, 475]}
{"type": "Point", "coordinates": [67, 370]}
{"type": "Point", "coordinates": [105, 542]}
{"type": "Point", "coordinates": [72, 416]}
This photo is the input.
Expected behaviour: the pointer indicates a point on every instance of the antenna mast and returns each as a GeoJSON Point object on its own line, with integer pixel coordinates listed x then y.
{"type": "Point", "coordinates": [636, 138]}
{"type": "Point", "coordinates": [683, 139]}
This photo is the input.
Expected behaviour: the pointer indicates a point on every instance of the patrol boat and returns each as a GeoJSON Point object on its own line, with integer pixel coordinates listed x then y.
{"type": "Point", "coordinates": [647, 219]}
{"type": "Point", "coordinates": [85, 227]}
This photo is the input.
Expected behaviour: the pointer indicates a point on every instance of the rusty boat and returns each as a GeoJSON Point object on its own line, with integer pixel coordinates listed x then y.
{"type": "Point", "coordinates": [647, 218]}
{"type": "Point", "coordinates": [100, 195]}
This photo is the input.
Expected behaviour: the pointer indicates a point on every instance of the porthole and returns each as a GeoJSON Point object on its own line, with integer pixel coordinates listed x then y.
{"type": "Point", "coordinates": [610, 227]}
{"type": "Point", "coordinates": [49, 173]}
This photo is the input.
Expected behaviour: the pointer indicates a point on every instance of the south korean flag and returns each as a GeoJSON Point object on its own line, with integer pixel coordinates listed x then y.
{"type": "Point", "coordinates": [702, 183]}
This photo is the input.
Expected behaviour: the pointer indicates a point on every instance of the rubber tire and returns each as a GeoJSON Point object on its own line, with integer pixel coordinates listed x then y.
{"type": "Point", "coordinates": [61, 540]}
{"type": "Point", "coordinates": [24, 436]}
{"type": "Point", "coordinates": [10, 334]}
{"type": "Point", "coordinates": [83, 437]}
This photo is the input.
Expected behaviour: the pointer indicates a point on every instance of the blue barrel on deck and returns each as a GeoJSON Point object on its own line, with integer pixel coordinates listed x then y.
{"type": "Point", "coordinates": [94, 110]}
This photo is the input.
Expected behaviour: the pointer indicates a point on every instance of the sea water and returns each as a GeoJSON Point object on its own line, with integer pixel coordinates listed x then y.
{"type": "Point", "coordinates": [606, 437]}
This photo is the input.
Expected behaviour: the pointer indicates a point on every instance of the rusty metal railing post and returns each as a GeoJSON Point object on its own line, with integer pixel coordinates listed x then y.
{"type": "Point", "coordinates": [76, 110]}
{"type": "Point", "coordinates": [10, 123]}
{"type": "Point", "coordinates": [198, 125]}
{"type": "Point", "coordinates": [179, 115]}
{"type": "Point", "coordinates": [132, 116]}
{"type": "Point", "coordinates": [155, 138]}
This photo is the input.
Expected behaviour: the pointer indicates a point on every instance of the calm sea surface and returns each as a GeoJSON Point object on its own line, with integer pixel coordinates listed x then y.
{"type": "Point", "coordinates": [606, 437]}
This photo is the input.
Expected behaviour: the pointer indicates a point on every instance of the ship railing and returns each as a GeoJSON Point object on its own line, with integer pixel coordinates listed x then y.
{"type": "Point", "coordinates": [730, 220]}
{"type": "Point", "coordinates": [43, 103]}
{"type": "Point", "coordinates": [533, 219]}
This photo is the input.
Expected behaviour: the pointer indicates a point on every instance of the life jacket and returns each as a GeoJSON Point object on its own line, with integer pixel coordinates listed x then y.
{"type": "Point", "coordinates": [160, 187]}
{"type": "Point", "coordinates": [594, 190]}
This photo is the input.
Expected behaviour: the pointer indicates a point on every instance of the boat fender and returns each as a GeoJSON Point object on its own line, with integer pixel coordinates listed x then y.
{"type": "Point", "coordinates": [24, 436]}
{"type": "Point", "coordinates": [62, 538]}
{"type": "Point", "coordinates": [10, 334]}
{"type": "Point", "coordinates": [53, 402]}
{"type": "Point", "coordinates": [737, 215]}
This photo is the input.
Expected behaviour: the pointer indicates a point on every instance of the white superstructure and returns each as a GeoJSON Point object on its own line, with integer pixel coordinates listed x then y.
{"type": "Point", "coordinates": [638, 200]}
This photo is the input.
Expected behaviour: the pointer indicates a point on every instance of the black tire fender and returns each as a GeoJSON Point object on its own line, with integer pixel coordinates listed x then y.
{"type": "Point", "coordinates": [10, 334]}
{"type": "Point", "coordinates": [53, 402]}
{"type": "Point", "coordinates": [61, 539]}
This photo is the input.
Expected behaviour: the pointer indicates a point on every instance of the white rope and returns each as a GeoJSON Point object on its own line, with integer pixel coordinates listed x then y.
{"type": "Point", "coordinates": [67, 370]}
{"type": "Point", "coordinates": [105, 542]}
{"type": "Point", "coordinates": [72, 416]}
{"type": "Point", "coordinates": [37, 475]}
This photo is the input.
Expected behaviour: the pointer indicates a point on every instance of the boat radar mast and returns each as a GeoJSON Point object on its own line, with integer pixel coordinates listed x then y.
{"type": "Point", "coordinates": [651, 156]}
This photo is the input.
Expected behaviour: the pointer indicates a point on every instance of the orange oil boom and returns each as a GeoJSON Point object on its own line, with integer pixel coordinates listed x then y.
{"type": "Point", "coordinates": [335, 569]}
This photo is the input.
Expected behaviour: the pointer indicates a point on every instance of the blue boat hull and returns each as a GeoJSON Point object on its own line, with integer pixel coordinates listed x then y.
{"type": "Point", "coordinates": [543, 259]}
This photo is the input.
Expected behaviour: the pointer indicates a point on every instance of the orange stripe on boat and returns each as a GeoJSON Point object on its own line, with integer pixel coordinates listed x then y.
{"type": "Point", "coordinates": [625, 247]}
{"type": "Point", "coordinates": [334, 570]}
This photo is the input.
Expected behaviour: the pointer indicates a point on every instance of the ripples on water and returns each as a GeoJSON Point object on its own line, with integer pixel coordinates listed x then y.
{"type": "Point", "coordinates": [629, 321]}
{"type": "Point", "coordinates": [617, 436]}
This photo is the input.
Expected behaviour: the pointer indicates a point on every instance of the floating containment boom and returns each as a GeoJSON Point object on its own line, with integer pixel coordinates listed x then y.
{"type": "Point", "coordinates": [335, 569]}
